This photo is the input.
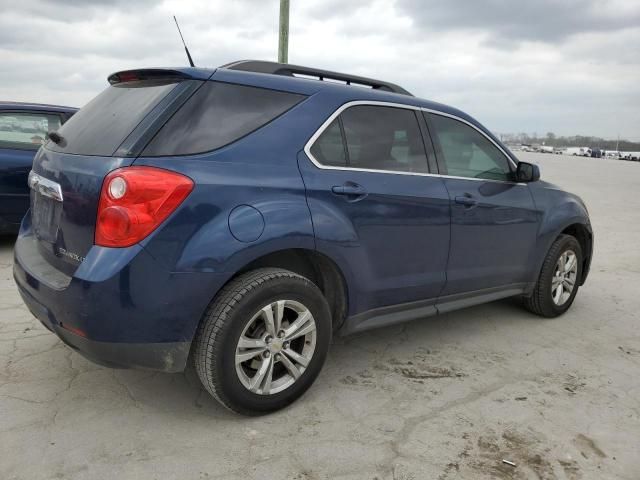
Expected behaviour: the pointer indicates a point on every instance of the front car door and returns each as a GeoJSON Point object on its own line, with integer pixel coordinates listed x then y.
{"type": "Point", "coordinates": [493, 217]}
{"type": "Point", "coordinates": [376, 209]}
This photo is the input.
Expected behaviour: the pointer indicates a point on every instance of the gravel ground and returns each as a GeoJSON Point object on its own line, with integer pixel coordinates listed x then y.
{"type": "Point", "coordinates": [443, 398]}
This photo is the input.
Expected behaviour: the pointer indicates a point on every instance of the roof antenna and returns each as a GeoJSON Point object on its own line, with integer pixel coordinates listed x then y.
{"type": "Point", "coordinates": [185, 45]}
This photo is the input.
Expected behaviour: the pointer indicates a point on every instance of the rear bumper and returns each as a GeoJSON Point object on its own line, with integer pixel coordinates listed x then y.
{"type": "Point", "coordinates": [166, 356]}
{"type": "Point", "coordinates": [121, 307]}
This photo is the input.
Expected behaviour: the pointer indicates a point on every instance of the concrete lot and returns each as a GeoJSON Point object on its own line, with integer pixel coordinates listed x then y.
{"type": "Point", "coordinates": [443, 398]}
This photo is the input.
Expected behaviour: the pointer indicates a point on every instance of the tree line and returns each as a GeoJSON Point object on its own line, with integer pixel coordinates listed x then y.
{"type": "Point", "coordinates": [552, 140]}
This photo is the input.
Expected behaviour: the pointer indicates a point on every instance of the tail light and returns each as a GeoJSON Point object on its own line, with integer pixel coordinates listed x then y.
{"type": "Point", "coordinates": [134, 201]}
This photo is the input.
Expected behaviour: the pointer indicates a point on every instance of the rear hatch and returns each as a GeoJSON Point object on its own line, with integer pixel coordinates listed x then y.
{"type": "Point", "coordinates": [108, 133]}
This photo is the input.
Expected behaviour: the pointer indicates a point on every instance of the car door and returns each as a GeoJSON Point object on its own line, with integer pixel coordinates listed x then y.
{"type": "Point", "coordinates": [374, 206]}
{"type": "Point", "coordinates": [493, 218]}
{"type": "Point", "coordinates": [21, 134]}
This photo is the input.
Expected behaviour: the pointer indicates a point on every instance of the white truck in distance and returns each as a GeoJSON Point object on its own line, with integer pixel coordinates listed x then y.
{"type": "Point", "coordinates": [578, 151]}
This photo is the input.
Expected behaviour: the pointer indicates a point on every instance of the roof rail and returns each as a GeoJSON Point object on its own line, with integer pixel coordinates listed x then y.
{"type": "Point", "coordinates": [289, 70]}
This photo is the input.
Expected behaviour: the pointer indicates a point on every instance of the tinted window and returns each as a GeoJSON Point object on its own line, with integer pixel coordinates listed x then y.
{"type": "Point", "coordinates": [384, 138]}
{"type": "Point", "coordinates": [328, 149]}
{"type": "Point", "coordinates": [102, 124]}
{"type": "Point", "coordinates": [216, 115]}
{"type": "Point", "coordinates": [26, 131]}
{"type": "Point", "coordinates": [468, 153]}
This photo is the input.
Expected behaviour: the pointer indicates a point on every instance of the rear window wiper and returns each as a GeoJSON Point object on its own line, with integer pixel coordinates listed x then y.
{"type": "Point", "coordinates": [55, 137]}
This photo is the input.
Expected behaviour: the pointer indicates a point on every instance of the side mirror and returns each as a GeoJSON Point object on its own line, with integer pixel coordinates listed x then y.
{"type": "Point", "coordinates": [527, 172]}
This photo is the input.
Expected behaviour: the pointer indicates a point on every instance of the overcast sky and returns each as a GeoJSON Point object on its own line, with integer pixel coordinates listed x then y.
{"type": "Point", "coordinates": [568, 66]}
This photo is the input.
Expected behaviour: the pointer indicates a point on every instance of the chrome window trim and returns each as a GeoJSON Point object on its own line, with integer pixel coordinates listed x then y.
{"type": "Point", "coordinates": [376, 103]}
{"type": "Point", "coordinates": [44, 186]}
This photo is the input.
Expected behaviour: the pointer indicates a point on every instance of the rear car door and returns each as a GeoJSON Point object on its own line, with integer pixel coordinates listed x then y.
{"type": "Point", "coordinates": [21, 134]}
{"type": "Point", "coordinates": [493, 218]}
{"type": "Point", "coordinates": [374, 205]}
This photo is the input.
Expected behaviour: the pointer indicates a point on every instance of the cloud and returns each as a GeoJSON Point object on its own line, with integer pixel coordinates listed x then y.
{"type": "Point", "coordinates": [506, 21]}
{"type": "Point", "coordinates": [570, 66]}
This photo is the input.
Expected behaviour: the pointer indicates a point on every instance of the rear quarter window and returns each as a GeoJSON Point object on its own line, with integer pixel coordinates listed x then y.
{"type": "Point", "coordinates": [329, 149]}
{"type": "Point", "coordinates": [216, 115]}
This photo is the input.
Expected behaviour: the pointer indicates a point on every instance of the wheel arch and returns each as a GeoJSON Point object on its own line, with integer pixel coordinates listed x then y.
{"type": "Point", "coordinates": [583, 234]}
{"type": "Point", "coordinates": [315, 266]}
{"type": "Point", "coordinates": [576, 227]}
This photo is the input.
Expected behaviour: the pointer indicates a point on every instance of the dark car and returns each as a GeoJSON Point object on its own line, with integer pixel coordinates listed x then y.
{"type": "Point", "coordinates": [23, 128]}
{"type": "Point", "coordinates": [237, 217]}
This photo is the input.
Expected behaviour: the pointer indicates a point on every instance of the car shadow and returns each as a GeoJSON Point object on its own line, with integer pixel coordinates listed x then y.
{"type": "Point", "coordinates": [182, 394]}
{"type": "Point", "coordinates": [458, 325]}
{"type": "Point", "coordinates": [7, 241]}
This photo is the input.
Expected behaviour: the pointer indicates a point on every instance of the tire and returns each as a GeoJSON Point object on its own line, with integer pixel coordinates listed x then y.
{"type": "Point", "coordinates": [541, 302]}
{"type": "Point", "coordinates": [239, 309]}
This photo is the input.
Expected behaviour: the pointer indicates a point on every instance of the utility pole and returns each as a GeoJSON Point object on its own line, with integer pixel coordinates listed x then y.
{"type": "Point", "coordinates": [283, 40]}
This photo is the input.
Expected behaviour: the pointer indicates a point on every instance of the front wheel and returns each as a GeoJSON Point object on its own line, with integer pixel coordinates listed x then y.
{"type": "Point", "coordinates": [263, 341]}
{"type": "Point", "coordinates": [559, 279]}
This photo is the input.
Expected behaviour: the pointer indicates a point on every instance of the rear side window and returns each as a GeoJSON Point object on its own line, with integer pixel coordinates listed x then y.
{"type": "Point", "coordinates": [102, 125]}
{"type": "Point", "coordinates": [384, 138]}
{"type": "Point", "coordinates": [26, 131]}
{"type": "Point", "coordinates": [216, 115]}
{"type": "Point", "coordinates": [468, 153]}
{"type": "Point", "coordinates": [377, 138]}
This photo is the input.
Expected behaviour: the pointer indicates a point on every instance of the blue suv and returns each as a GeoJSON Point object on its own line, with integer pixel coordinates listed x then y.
{"type": "Point", "coordinates": [235, 218]}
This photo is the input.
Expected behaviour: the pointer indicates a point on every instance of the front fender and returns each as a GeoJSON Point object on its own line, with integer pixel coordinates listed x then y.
{"type": "Point", "coordinates": [559, 210]}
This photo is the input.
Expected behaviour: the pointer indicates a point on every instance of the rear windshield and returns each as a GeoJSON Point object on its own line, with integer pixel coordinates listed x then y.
{"type": "Point", "coordinates": [102, 125]}
{"type": "Point", "coordinates": [216, 115]}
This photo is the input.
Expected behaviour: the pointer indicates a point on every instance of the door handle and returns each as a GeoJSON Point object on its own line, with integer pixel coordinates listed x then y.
{"type": "Point", "coordinates": [467, 200]}
{"type": "Point", "coordinates": [349, 189]}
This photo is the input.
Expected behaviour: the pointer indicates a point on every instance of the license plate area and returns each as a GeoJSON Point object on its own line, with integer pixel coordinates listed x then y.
{"type": "Point", "coordinates": [45, 217]}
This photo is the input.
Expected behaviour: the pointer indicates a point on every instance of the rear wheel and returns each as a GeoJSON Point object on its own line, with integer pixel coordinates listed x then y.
{"type": "Point", "coordinates": [263, 341]}
{"type": "Point", "coordinates": [559, 279]}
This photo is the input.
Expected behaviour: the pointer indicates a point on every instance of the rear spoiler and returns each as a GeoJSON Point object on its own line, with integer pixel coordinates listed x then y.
{"type": "Point", "coordinates": [175, 74]}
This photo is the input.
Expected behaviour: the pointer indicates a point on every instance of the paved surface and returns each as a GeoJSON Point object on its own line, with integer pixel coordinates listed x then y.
{"type": "Point", "coordinates": [447, 397]}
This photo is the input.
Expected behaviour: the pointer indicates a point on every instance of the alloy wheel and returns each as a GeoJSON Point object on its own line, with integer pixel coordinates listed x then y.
{"type": "Point", "coordinates": [564, 277]}
{"type": "Point", "coordinates": [275, 347]}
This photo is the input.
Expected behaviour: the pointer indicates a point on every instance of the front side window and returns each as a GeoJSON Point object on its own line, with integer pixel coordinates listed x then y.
{"type": "Point", "coordinates": [26, 131]}
{"type": "Point", "coordinates": [465, 152]}
{"type": "Point", "coordinates": [384, 138]}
